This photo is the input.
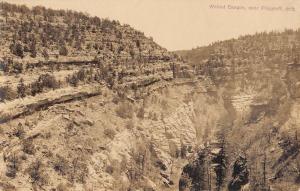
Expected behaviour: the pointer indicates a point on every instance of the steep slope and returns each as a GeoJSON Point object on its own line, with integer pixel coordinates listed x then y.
{"type": "Point", "coordinates": [108, 143]}
{"type": "Point", "coordinates": [40, 30]}
{"type": "Point", "coordinates": [259, 79]}
{"type": "Point", "coordinates": [89, 104]}
{"type": "Point", "coordinates": [82, 104]}
{"type": "Point", "coordinates": [44, 49]}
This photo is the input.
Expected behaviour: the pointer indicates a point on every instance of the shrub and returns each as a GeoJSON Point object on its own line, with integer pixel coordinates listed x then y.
{"type": "Point", "coordinates": [45, 54]}
{"type": "Point", "coordinates": [44, 81]}
{"type": "Point", "coordinates": [21, 88]}
{"type": "Point", "coordinates": [183, 151]}
{"type": "Point", "coordinates": [6, 93]}
{"type": "Point", "coordinates": [9, 66]}
{"type": "Point", "coordinates": [19, 131]}
{"type": "Point", "coordinates": [17, 68]}
{"type": "Point", "coordinates": [110, 81]}
{"type": "Point", "coordinates": [10, 171]}
{"type": "Point", "coordinates": [61, 165]}
{"type": "Point", "coordinates": [35, 88]}
{"type": "Point", "coordinates": [79, 170]}
{"type": "Point", "coordinates": [17, 49]}
{"type": "Point", "coordinates": [109, 133]}
{"type": "Point", "coordinates": [12, 166]}
{"type": "Point", "coordinates": [6, 65]}
{"type": "Point", "coordinates": [48, 81]}
{"type": "Point", "coordinates": [33, 49]}
{"type": "Point", "coordinates": [63, 51]}
{"type": "Point", "coordinates": [81, 75]}
{"type": "Point", "coordinates": [125, 110]}
{"type": "Point", "coordinates": [73, 80]}
{"type": "Point", "coordinates": [37, 174]}
{"type": "Point", "coordinates": [28, 147]}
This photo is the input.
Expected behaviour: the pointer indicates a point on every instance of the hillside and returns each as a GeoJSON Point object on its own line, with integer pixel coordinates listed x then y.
{"type": "Point", "coordinates": [50, 34]}
{"type": "Point", "coordinates": [258, 76]}
{"type": "Point", "coordinates": [47, 49]}
{"type": "Point", "coordinates": [74, 91]}
{"type": "Point", "coordinates": [91, 104]}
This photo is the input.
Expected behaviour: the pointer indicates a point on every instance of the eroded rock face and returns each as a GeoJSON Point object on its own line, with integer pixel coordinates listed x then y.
{"type": "Point", "coordinates": [170, 135]}
{"type": "Point", "coordinates": [110, 149]}
{"type": "Point", "coordinates": [261, 93]}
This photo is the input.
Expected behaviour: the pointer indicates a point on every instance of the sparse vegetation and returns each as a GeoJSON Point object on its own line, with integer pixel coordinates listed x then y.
{"type": "Point", "coordinates": [110, 133]}
{"type": "Point", "coordinates": [21, 89]}
{"type": "Point", "coordinates": [17, 49]}
{"type": "Point", "coordinates": [81, 76]}
{"type": "Point", "coordinates": [45, 54]}
{"type": "Point", "coordinates": [125, 110]}
{"type": "Point", "coordinates": [37, 173]}
{"type": "Point", "coordinates": [6, 93]}
{"type": "Point", "coordinates": [79, 170]}
{"type": "Point", "coordinates": [19, 131]}
{"type": "Point", "coordinates": [28, 146]}
{"type": "Point", "coordinates": [44, 81]}
{"type": "Point", "coordinates": [63, 51]}
{"type": "Point", "coordinates": [46, 49]}
{"type": "Point", "coordinates": [12, 166]}
{"type": "Point", "coordinates": [61, 165]}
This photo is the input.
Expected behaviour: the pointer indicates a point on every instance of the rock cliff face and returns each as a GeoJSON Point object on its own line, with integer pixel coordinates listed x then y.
{"type": "Point", "coordinates": [102, 107]}
{"type": "Point", "coordinates": [257, 78]}
{"type": "Point", "coordinates": [108, 143]}
{"type": "Point", "coordinates": [83, 104]}
{"type": "Point", "coordinates": [89, 104]}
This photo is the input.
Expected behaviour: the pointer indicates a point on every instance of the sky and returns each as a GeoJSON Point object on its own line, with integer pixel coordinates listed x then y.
{"type": "Point", "coordinates": [186, 24]}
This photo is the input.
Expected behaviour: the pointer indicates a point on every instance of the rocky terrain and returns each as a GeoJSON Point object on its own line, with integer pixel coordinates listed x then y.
{"type": "Point", "coordinates": [90, 104]}
{"type": "Point", "coordinates": [258, 78]}
{"type": "Point", "coordinates": [74, 91]}
{"type": "Point", "coordinates": [44, 49]}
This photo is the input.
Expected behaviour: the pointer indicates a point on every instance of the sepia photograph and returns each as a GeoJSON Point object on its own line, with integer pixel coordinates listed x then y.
{"type": "Point", "coordinates": [149, 95]}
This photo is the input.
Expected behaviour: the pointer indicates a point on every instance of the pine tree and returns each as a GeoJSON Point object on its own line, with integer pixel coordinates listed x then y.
{"type": "Point", "coordinates": [33, 49]}
{"type": "Point", "coordinates": [45, 54]}
{"type": "Point", "coordinates": [17, 49]}
{"type": "Point", "coordinates": [21, 88]}
{"type": "Point", "coordinates": [220, 162]}
{"type": "Point", "coordinates": [240, 174]}
{"type": "Point", "coordinates": [63, 51]}
{"type": "Point", "coordinates": [220, 170]}
{"type": "Point", "coordinates": [194, 175]}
